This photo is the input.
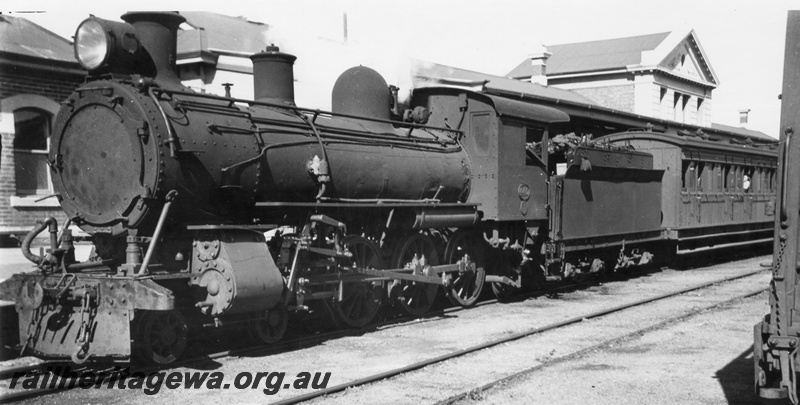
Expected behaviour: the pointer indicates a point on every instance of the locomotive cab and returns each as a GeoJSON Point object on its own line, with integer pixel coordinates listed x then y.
{"type": "Point", "coordinates": [508, 181]}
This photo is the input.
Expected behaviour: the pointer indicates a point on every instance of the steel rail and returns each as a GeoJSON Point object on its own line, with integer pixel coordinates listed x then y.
{"type": "Point", "coordinates": [293, 344]}
{"type": "Point", "coordinates": [9, 372]}
{"type": "Point", "coordinates": [599, 346]}
{"type": "Point", "coordinates": [11, 396]}
{"type": "Point", "coordinates": [516, 336]}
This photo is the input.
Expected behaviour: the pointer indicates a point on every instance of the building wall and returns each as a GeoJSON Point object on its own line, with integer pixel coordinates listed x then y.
{"type": "Point", "coordinates": [617, 97]}
{"type": "Point", "coordinates": [645, 93]}
{"type": "Point", "coordinates": [617, 91]}
{"type": "Point", "coordinates": [16, 81]}
{"type": "Point", "coordinates": [21, 88]}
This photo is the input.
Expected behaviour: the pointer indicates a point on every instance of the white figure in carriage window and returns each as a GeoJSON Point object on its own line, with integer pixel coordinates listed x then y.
{"type": "Point", "coordinates": [746, 183]}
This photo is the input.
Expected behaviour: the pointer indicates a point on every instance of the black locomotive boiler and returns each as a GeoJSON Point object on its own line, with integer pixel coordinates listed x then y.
{"type": "Point", "coordinates": [372, 202]}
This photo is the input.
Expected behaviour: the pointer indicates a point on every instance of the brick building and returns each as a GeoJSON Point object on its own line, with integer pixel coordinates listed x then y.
{"type": "Point", "coordinates": [665, 75]}
{"type": "Point", "coordinates": [37, 72]}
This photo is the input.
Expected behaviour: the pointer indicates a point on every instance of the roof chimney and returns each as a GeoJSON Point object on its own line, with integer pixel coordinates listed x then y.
{"type": "Point", "coordinates": [539, 65]}
{"type": "Point", "coordinates": [743, 117]}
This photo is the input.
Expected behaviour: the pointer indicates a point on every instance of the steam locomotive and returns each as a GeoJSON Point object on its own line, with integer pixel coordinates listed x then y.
{"type": "Point", "coordinates": [209, 211]}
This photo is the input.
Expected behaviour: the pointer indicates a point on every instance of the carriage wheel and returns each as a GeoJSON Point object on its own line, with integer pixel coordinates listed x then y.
{"type": "Point", "coordinates": [466, 287]}
{"type": "Point", "coordinates": [268, 327]}
{"type": "Point", "coordinates": [360, 301]}
{"type": "Point", "coordinates": [161, 336]}
{"type": "Point", "coordinates": [415, 298]}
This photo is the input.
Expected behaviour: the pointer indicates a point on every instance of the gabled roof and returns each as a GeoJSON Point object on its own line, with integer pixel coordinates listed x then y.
{"type": "Point", "coordinates": [24, 38]}
{"type": "Point", "coordinates": [601, 55]}
{"type": "Point", "coordinates": [221, 34]}
{"type": "Point", "coordinates": [675, 53]}
{"type": "Point", "coordinates": [432, 74]}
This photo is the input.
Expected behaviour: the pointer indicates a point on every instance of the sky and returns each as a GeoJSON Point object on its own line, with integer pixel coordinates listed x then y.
{"type": "Point", "coordinates": [743, 40]}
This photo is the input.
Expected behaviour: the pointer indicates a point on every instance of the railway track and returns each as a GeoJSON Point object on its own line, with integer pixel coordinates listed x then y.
{"type": "Point", "coordinates": [293, 343]}
{"type": "Point", "coordinates": [527, 333]}
{"type": "Point", "coordinates": [301, 342]}
{"type": "Point", "coordinates": [476, 392]}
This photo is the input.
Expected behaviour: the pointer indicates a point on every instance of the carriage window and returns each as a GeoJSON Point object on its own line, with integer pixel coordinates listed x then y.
{"type": "Point", "coordinates": [726, 175]}
{"type": "Point", "coordinates": [738, 179]}
{"type": "Point", "coordinates": [747, 179]}
{"type": "Point", "coordinates": [757, 182]}
{"type": "Point", "coordinates": [771, 180]}
{"type": "Point", "coordinates": [31, 128]}
{"type": "Point", "coordinates": [716, 176]}
{"type": "Point", "coordinates": [689, 177]}
{"type": "Point", "coordinates": [701, 172]}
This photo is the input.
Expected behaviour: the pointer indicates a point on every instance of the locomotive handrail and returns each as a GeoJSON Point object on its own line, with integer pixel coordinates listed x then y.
{"type": "Point", "coordinates": [308, 110]}
{"type": "Point", "coordinates": [329, 130]}
{"type": "Point", "coordinates": [347, 131]}
{"type": "Point", "coordinates": [170, 135]}
{"type": "Point", "coordinates": [263, 152]}
{"type": "Point", "coordinates": [785, 158]}
{"type": "Point", "coordinates": [333, 132]}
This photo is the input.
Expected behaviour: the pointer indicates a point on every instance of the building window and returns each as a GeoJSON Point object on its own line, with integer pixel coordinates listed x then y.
{"type": "Point", "coordinates": [679, 103]}
{"type": "Point", "coordinates": [31, 129]}
{"type": "Point", "coordinates": [664, 103]}
{"type": "Point", "coordinates": [700, 112]}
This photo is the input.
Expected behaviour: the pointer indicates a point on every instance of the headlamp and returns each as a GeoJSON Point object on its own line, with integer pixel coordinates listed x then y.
{"type": "Point", "coordinates": [107, 45]}
{"type": "Point", "coordinates": [92, 44]}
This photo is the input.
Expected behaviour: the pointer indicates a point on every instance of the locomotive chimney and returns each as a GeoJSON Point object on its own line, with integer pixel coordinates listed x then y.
{"type": "Point", "coordinates": [273, 76]}
{"type": "Point", "coordinates": [158, 33]}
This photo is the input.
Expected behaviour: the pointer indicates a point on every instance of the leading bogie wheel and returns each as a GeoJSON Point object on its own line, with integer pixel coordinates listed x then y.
{"type": "Point", "coordinates": [360, 300]}
{"type": "Point", "coordinates": [415, 298]}
{"type": "Point", "coordinates": [268, 327]}
{"type": "Point", "coordinates": [502, 292]}
{"type": "Point", "coordinates": [161, 336]}
{"type": "Point", "coordinates": [466, 287]}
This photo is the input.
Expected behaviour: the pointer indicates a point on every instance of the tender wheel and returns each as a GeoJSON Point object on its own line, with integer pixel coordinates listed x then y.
{"type": "Point", "coordinates": [466, 287]}
{"type": "Point", "coordinates": [161, 336]}
{"type": "Point", "coordinates": [269, 327]}
{"type": "Point", "coordinates": [415, 298]}
{"type": "Point", "coordinates": [360, 301]}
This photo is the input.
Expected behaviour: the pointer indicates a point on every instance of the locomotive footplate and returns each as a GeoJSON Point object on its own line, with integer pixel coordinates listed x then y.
{"type": "Point", "coordinates": [81, 316]}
